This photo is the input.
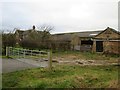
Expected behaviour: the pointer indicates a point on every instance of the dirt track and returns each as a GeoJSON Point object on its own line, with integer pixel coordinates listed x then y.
{"type": "Point", "coordinates": [11, 65]}
{"type": "Point", "coordinates": [88, 62]}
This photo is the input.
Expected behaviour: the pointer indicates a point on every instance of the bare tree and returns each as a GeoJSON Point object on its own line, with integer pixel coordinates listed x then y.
{"type": "Point", "coordinates": [46, 28]}
{"type": "Point", "coordinates": [46, 36]}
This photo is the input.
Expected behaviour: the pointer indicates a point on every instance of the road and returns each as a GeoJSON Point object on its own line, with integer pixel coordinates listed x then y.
{"type": "Point", "coordinates": [11, 65]}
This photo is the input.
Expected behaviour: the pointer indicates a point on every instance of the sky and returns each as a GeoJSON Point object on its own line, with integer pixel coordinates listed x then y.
{"type": "Point", "coordinates": [63, 15]}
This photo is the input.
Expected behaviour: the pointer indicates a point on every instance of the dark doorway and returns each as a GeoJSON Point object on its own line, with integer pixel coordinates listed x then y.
{"type": "Point", "coordinates": [86, 45]}
{"type": "Point", "coordinates": [99, 46]}
{"type": "Point", "coordinates": [86, 42]}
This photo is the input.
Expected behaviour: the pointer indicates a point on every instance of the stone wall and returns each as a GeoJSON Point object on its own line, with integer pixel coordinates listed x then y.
{"type": "Point", "coordinates": [94, 46]}
{"type": "Point", "coordinates": [111, 41]}
{"type": "Point", "coordinates": [112, 47]}
{"type": "Point", "coordinates": [109, 47]}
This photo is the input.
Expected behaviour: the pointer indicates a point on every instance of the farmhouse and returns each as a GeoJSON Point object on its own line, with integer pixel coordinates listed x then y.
{"type": "Point", "coordinates": [107, 40]}
{"type": "Point", "coordinates": [21, 34]}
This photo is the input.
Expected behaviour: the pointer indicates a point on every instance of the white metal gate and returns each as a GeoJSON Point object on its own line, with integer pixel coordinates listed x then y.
{"type": "Point", "coordinates": [26, 54]}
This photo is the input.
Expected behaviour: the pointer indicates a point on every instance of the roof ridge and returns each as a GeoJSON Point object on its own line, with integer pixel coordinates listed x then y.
{"type": "Point", "coordinates": [78, 32]}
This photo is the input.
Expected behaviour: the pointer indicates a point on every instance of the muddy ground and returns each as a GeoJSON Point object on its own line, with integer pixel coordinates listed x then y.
{"type": "Point", "coordinates": [82, 62]}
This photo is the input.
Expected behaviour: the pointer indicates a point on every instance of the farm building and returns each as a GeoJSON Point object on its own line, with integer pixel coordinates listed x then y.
{"type": "Point", "coordinates": [75, 41]}
{"type": "Point", "coordinates": [32, 38]}
{"type": "Point", "coordinates": [107, 40]}
{"type": "Point", "coordinates": [23, 34]}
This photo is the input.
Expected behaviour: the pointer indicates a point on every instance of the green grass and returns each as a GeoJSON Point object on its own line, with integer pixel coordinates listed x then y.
{"type": "Point", "coordinates": [63, 76]}
{"type": "Point", "coordinates": [5, 57]}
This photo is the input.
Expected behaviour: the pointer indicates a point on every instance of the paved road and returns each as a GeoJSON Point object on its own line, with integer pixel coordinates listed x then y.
{"type": "Point", "coordinates": [11, 65]}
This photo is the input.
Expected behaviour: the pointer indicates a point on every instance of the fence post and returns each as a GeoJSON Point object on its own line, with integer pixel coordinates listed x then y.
{"type": "Point", "coordinates": [7, 51]}
{"type": "Point", "coordinates": [12, 51]}
{"type": "Point", "coordinates": [31, 52]}
{"type": "Point", "coordinates": [50, 60]}
{"type": "Point", "coordinates": [24, 52]}
{"type": "Point", "coordinates": [17, 53]}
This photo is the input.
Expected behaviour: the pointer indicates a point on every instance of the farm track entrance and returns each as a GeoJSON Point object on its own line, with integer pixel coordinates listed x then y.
{"type": "Point", "coordinates": [32, 57]}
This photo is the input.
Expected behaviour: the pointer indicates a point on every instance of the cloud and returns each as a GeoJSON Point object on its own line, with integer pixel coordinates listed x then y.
{"type": "Point", "coordinates": [64, 15]}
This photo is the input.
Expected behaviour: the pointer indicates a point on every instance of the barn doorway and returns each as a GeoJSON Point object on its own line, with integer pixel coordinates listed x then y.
{"type": "Point", "coordinates": [86, 45]}
{"type": "Point", "coordinates": [99, 46]}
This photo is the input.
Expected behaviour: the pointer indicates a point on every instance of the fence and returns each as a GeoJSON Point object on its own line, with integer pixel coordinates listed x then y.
{"type": "Point", "coordinates": [32, 54]}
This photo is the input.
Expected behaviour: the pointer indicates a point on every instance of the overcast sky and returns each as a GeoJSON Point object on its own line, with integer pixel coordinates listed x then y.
{"type": "Point", "coordinates": [64, 15]}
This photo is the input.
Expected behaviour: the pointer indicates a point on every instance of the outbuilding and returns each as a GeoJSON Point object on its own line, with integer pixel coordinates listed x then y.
{"type": "Point", "coordinates": [108, 41]}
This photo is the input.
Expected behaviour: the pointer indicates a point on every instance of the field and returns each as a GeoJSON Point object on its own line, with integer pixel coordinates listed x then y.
{"type": "Point", "coordinates": [67, 75]}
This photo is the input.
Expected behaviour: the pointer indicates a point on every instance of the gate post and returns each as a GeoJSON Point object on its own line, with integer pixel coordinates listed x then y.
{"type": "Point", "coordinates": [7, 54]}
{"type": "Point", "coordinates": [24, 52]}
{"type": "Point", "coordinates": [50, 60]}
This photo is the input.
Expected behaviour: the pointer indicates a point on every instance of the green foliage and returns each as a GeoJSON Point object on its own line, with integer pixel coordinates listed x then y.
{"type": "Point", "coordinates": [8, 39]}
{"type": "Point", "coordinates": [36, 39]}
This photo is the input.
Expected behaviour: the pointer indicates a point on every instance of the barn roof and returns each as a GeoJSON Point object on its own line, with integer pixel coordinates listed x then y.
{"type": "Point", "coordinates": [88, 33]}
{"type": "Point", "coordinates": [109, 29]}
{"type": "Point", "coordinates": [68, 36]}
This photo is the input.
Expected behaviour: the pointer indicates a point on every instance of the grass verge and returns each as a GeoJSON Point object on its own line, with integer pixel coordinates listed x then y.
{"type": "Point", "coordinates": [64, 76]}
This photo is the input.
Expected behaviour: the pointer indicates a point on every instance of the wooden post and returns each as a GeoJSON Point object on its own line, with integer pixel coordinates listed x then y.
{"type": "Point", "coordinates": [12, 51]}
{"type": "Point", "coordinates": [18, 53]}
{"type": "Point", "coordinates": [50, 60]}
{"type": "Point", "coordinates": [31, 52]}
{"type": "Point", "coordinates": [40, 56]}
{"type": "Point", "coordinates": [24, 52]}
{"type": "Point", "coordinates": [6, 51]}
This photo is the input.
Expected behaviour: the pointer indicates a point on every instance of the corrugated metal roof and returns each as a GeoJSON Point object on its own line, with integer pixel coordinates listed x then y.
{"type": "Point", "coordinates": [88, 34]}
{"type": "Point", "coordinates": [68, 36]}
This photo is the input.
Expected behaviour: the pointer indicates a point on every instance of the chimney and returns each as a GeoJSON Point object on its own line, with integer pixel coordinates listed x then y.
{"type": "Point", "coordinates": [33, 27]}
